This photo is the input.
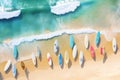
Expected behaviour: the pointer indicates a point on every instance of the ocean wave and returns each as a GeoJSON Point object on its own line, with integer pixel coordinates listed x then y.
{"type": "Point", "coordinates": [63, 7]}
{"type": "Point", "coordinates": [47, 36]}
{"type": "Point", "coordinates": [11, 14]}
{"type": "Point", "coordinates": [67, 6]}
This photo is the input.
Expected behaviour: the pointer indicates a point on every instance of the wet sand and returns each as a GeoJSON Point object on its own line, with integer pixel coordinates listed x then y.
{"type": "Point", "coordinates": [92, 70]}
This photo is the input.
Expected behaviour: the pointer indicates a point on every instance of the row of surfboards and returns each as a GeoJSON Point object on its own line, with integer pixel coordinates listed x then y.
{"type": "Point", "coordinates": [9, 63]}
{"type": "Point", "coordinates": [60, 57]}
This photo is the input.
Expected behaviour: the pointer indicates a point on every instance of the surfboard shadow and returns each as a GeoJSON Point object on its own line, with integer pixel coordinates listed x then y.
{"type": "Point", "coordinates": [36, 63]}
{"type": "Point", "coordinates": [58, 49]}
{"type": "Point", "coordinates": [94, 58]}
{"type": "Point", "coordinates": [27, 73]}
{"type": "Point", "coordinates": [105, 57]}
{"type": "Point", "coordinates": [40, 57]}
{"type": "Point", "coordinates": [1, 77]}
{"type": "Point", "coordinates": [52, 66]}
{"type": "Point", "coordinates": [83, 62]}
{"type": "Point", "coordinates": [88, 45]}
{"type": "Point", "coordinates": [16, 77]}
{"type": "Point", "coordinates": [73, 46]}
{"type": "Point", "coordinates": [62, 66]}
{"type": "Point", "coordinates": [116, 49]}
{"type": "Point", "coordinates": [8, 69]}
{"type": "Point", "coordinates": [69, 64]}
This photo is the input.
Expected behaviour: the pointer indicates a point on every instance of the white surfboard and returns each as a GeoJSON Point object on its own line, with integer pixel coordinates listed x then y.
{"type": "Point", "coordinates": [56, 46]}
{"type": "Point", "coordinates": [34, 59]}
{"type": "Point", "coordinates": [7, 66]}
{"type": "Point", "coordinates": [74, 53]}
{"type": "Point", "coordinates": [81, 58]}
{"type": "Point", "coordinates": [66, 57]}
{"type": "Point", "coordinates": [114, 45]}
{"type": "Point", "coordinates": [49, 59]}
{"type": "Point", "coordinates": [86, 42]}
{"type": "Point", "coordinates": [14, 70]}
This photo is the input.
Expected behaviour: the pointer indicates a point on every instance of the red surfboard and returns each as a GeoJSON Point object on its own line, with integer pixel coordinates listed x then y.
{"type": "Point", "coordinates": [92, 51]}
{"type": "Point", "coordinates": [102, 52]}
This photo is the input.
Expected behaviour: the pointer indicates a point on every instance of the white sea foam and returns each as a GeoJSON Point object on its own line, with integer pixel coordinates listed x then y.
{"type": "Point", "coordinates": [50, 35]}
{"type": "Point", "coordinates": [63, 7]}
{"type": "Point", "coordinates": [8, 15]}
{"type": "Point", "coordinates": [109, 34]}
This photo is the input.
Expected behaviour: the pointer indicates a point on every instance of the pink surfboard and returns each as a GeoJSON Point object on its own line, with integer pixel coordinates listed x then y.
{"type": "Point", "coordinates": [92, 51]}
{"type": "Point", "coordinates": [102, 51]}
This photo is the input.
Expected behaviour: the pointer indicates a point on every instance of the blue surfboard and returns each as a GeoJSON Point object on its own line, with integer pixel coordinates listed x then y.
{"type": "Point", "coordinates": [97, 41]}
{"type": "Point", "coordinates": [14, 71]}
{"type": "Point", "coordinates": [60, 60]}
{"type": "Point", "coordinates": [71, 41]}
{"type": "Point", "coordinates": [15, 52]}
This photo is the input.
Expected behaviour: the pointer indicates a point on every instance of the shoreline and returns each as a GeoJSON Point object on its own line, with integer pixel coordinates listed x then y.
{"type": "Point", "coordinates": [50, 40]}
{"type": "Point", "coordinates": [50, 35]}
{"type": "Point", "coordinates": [47, 36]}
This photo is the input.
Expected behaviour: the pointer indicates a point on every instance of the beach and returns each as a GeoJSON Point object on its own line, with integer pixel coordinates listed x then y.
{"type": "Point", "coordinates": [102, 68]}
{"type": "Point", "coordinates": [39, 23]}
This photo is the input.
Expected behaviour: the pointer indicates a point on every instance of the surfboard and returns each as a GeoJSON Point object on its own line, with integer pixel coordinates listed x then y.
{"type": "Point", "coordinates": [7, 66]}
{"type": "Point", "coordinates": [92, 51]}
{"type": "Point", "coordinates": [114, 45]}
{"type": "Point", "coordinates": [97, 41]}
{"type": "Point", "coordinates": [74, 53]}
{"type": "Point", "coordinates": [14, 71]}
{"type": "Point", "coordinates": [22, 65]}
{"type": "Point", "coordinates": [56, 47]}
{"type": "Point", "coordinates": [60, 60]}
{"type": "Point", "coordinates": [71, 41]}
{"type": "Point", "coordinates": [66, 57]}
{"type": "Point", "coordinates": [34, 59]}
{"type": "Point", "coordinates": [86, 42]}
{"type": "Point", "coordinates": [49, 59]}
{"type": "Point", "coordinates": [15, 52]}
{"type": "Point", "coordinates": [102, 51]}
{"type": "Point", "coordinates": [81, 58]}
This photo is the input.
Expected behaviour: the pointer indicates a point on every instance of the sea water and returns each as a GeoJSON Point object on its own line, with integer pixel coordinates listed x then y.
{"type": "Point", "coordinates": [36, 17]}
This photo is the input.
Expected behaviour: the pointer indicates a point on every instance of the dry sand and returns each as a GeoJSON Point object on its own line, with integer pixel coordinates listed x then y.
{"type": "Point", "coordinates": [92, 70]}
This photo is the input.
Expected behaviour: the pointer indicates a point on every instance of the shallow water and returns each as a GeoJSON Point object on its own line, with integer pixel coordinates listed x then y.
{"type": "Point", "coordinates": [36, 17]}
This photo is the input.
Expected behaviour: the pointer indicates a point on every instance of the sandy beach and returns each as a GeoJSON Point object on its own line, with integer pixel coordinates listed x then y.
{"type": "Point", "coordinates": [102, 69]}
{"type": "Point", "coordinates": [26, 25]}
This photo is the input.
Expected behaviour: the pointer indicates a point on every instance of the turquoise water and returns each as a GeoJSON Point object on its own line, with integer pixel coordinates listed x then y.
{"type": "Point", "coordinates": [37, 18]}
